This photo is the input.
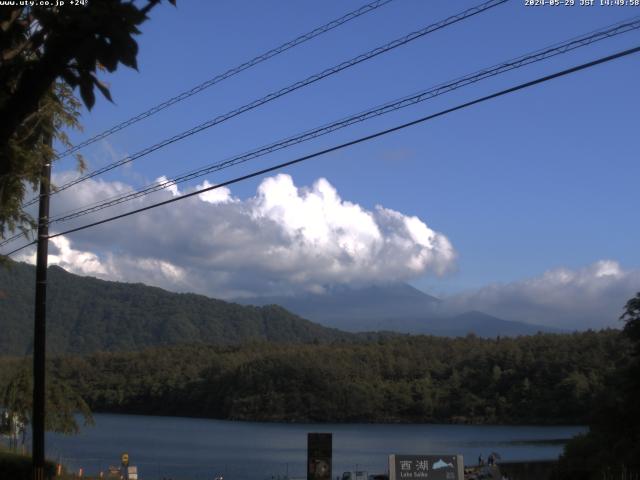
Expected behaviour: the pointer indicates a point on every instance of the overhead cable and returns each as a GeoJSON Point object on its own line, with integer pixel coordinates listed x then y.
{"type": "Point", "coordinates": [521, 86]}
{"type": "Point", "coordinates": [527, 59]}
{"type": "Point", "coordinates": [229, 73]}
{"type": "Point", "coordinates": [284, 91]}
{"type": "Point", "coordinates": [441, 113]}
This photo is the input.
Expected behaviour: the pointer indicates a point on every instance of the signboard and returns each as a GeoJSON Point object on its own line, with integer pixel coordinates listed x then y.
{"type": "Point", "coordinates": [125, 459]}
{"type": "Point", "coordinates": [426, 467]}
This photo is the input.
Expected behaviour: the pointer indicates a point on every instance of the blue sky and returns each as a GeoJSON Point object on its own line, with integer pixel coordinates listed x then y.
{"type": "Point", "coordinates": [539, 180]}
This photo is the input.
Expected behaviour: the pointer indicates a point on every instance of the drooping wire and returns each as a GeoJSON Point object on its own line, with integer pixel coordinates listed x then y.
{"type": "Point", "coordinates": [6, 241]}
{"type": "Point", "coordinates": [516, 88]}
{"type": "Point", "coordinates": [441, 113]}
{"type": "Point", "coordinates": [539, 55]}
{"type": "Point", "coordinates": [18, 249]}
{"type": "Point", "coordinates": [284, 91]}
{"type": "Point", "coordinates": [230, 73]}
{"type": "Point", "coordinates": [523, 60]}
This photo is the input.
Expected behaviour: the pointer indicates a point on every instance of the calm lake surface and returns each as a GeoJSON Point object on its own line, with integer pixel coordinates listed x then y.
{"type": "Point", "coordinates": [192, 448]}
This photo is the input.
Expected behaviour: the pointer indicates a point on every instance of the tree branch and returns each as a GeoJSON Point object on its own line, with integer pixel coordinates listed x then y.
{"type": "Point", "coordinates": [13, 16]}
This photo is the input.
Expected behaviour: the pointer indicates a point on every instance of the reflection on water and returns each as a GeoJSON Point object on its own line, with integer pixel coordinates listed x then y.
{"type": "Point", "coordinates": [191, 448]}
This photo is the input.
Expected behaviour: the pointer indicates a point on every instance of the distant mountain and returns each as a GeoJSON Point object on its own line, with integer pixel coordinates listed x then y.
{"type": "Point", "coordinates": [86, 315]}
{"type": "Point", "coordinates": [394, 307]}
{"type": "Point", "coordinates": [357, 309]}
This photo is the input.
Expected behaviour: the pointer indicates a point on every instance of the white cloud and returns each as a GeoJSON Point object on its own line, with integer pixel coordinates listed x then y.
{"type": "Point", "coordinates": [218, 195]}
{"type": "Point", "coordinates": [61, 254]}
{"type": "Point", "coordinates": [281, 240]}
{"type": "Point", "coordinates": [589, 297]}
{"type": "Point", "coordinates": [171, 187]}
{"type": "Point", "coordinates": [287, 238]}
{"type": "Point", "coordinates": [110, 266]}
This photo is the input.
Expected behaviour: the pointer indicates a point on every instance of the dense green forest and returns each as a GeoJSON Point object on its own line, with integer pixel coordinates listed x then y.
{"type": "Point", "coordinates": [541, 379]}
{"type": "Point", "coordinates": [85, 315]}
{"type": "Point", "coordinates": [611, 447]}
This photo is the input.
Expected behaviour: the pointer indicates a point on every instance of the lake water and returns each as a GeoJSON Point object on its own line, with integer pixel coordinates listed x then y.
{"type": "Point", "coordinates": [192, 448]}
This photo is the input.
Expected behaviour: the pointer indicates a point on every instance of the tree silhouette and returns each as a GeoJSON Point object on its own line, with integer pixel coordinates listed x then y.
{"type": "Point", "coordinates": [612, 445]}
{"type": "Point", "coordinates": [62, 403]}
{"type": "Point", "coordinates": [39, 46]}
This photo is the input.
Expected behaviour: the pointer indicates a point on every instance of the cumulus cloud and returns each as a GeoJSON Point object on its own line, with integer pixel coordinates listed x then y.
{"type": "Point", "coordinates": [61, 254]}
{"type": "Point", "coordinates": [589, 297]}
{"type": "Point", "coordinates": [283, 239]}
{"type": "Point", "coordinates": [110, 266]}
{"type": "Point", "coordinates": [218, 195]}
{"type": "Point", "coordinates": [171, 187]}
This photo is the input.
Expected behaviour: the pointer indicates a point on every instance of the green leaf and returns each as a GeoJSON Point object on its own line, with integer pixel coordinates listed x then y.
{"type": "Point", "coordinates": [86, 92]}
{"type": "Point", "coordinates": [103, 89]}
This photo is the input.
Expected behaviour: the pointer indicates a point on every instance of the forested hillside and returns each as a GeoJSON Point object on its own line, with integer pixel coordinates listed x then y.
{"type": "Point", "coordinates": [541, 379]}
{"type": "Point", "coordinates": [611, 447]}
{"type": "Point", "coordinates": [87, 315]}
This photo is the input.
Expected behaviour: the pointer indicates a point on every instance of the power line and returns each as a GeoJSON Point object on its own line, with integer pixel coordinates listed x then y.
{"type": "Point", "coordinates": [18, 249]}
{"type": "Point", "coordinates": [219, 78]}
{"type": "Point", "coordinates": [6, 241]}
{"type": "Point", "coordinates": [521, 86]}
{"type": "Point", "coordinates": [527, 59]}
{"type": "Point", "coordinates": [230, 73]}
{"type": "Point", "coordinates": [286, 90]}
{"type": "Point", "coordinates": [537, 56]}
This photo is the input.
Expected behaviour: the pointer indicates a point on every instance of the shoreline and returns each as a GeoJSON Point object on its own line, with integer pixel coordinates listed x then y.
{"type": "Point", "coordinates": [528, 470]}
{"type": "Point", "coordinates": [192, 447]}
{"type": "Point", "coordinates": [338, 422]}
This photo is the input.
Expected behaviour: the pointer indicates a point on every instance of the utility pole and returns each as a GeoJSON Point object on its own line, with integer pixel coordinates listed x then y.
{"type": "Point", "coordinates": [40, 321]}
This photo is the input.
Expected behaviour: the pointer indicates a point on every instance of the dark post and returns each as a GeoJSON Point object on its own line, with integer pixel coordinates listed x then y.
{"type": "Point", "coordinates": [319, 453]}
{"type": "Point", "coordinates": [39, 331]}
